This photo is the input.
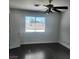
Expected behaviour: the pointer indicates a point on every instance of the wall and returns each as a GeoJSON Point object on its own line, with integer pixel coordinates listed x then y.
{"type": "Point", "coordinates": [14, 40]}
{"type": "Point", "coordinates": [64, 36]}
{"type": "Point", "coordinates": [19, 36]}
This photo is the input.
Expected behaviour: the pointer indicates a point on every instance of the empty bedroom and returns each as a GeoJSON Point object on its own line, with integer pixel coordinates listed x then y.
{"type": "Point", "coordinates": [39, 29]}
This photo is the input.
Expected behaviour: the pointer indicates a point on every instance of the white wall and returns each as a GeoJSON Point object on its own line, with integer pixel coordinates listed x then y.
{"type": "Point", "coordinates": [17, 27]}
{"type": "Point", "coordinates": [64, 36]}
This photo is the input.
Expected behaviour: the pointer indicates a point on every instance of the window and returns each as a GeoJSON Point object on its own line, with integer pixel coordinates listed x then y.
{"type": "Point", "coordinates": [34, 24]}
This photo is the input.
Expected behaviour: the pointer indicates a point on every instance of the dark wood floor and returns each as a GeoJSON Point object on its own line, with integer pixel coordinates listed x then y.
{"type": "Point", "coordinates": [51, 50]}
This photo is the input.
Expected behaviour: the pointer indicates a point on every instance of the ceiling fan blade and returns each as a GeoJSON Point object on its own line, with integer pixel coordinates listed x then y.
{"type": "Point", "coordinates": [56, 10]}
{"type": "Point", "coordinates": [61, 7]}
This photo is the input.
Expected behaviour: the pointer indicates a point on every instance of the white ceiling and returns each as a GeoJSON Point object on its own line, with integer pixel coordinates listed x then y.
{"type": "Point", "coordinates": [29, 4]}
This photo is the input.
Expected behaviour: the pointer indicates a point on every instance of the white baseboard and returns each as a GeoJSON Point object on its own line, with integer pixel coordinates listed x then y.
{"type": "Point", "coordinates": [38, 42]}
{"type": "Point", "coordinates": [64, 44]}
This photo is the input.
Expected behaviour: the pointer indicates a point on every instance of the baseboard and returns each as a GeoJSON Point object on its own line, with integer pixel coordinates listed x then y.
{"type": "Point", "coordinates": [14, 46]}
{"type": "Point", "coordinates": [44, 42]}
{"type": "Point", "coordinates": [65, 45]}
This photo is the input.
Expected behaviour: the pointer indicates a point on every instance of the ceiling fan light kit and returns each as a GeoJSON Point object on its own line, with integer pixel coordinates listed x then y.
{"type": "Point", "coordinates": [51, 7]}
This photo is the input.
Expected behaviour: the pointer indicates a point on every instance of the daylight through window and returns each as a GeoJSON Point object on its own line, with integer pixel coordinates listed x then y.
{"type": "Point", "coordinates": [34, 24]}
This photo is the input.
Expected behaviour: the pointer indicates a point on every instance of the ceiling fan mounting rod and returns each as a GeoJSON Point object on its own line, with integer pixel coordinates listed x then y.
{"type": "Point", "coordinates": [50, 1]}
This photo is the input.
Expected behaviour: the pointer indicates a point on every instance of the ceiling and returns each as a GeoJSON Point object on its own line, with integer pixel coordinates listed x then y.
{"type": "Point", "coordinates": [29, 4]}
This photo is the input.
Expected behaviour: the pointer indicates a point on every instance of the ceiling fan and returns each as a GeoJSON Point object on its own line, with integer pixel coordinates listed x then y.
{"type": "Point", "coordinates": [51, 7]}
